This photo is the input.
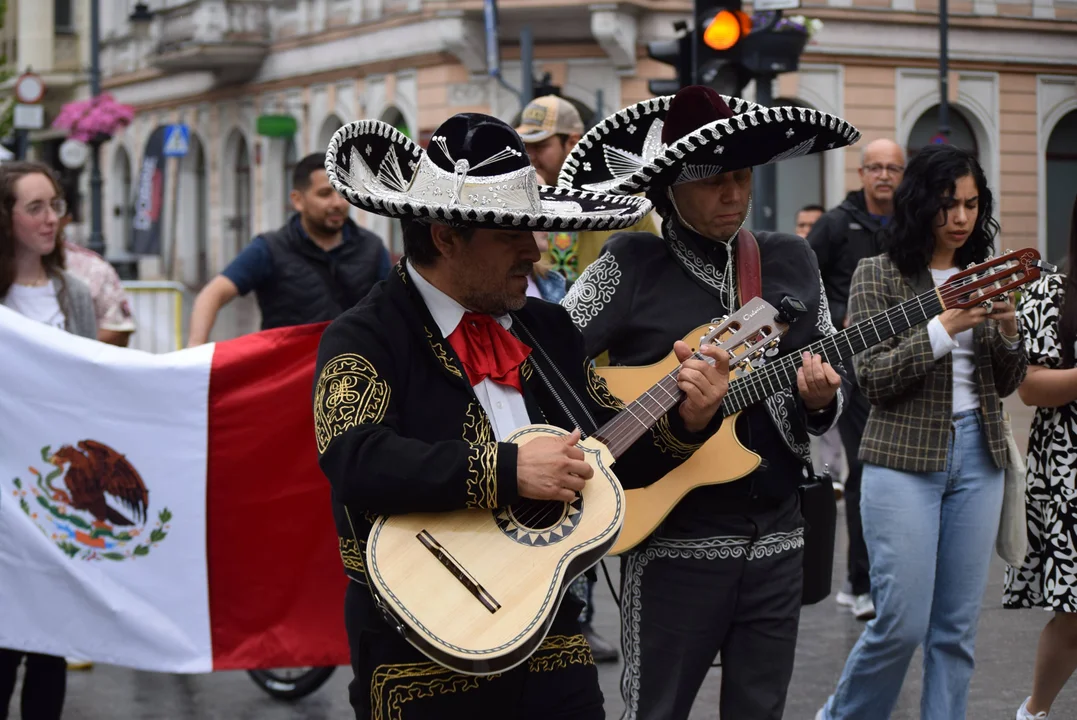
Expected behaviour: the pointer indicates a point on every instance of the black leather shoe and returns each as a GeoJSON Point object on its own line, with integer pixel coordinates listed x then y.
{"type": "Point", "coordinates": [602, 651]}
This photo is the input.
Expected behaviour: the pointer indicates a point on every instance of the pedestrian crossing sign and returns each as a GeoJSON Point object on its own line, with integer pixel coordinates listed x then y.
{"type": "Point", "coordinates": [177, 140]}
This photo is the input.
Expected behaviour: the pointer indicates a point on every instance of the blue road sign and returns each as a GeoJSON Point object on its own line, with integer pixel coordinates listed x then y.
{"type": "Point", "coordinates": [177, 140]}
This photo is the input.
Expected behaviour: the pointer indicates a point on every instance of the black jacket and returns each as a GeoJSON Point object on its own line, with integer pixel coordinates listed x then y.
{"type": "Point", "coordinates": [644, 292]}
{"type": "Point", "coordinates": [399, 428]}
{"type": "Point", "coordinates": [841, 239]}
{"type": "Point", "coordinates": [311, 285]}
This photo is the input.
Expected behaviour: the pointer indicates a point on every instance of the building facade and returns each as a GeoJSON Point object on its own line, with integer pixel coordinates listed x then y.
{"type": "Point", "coordinates": [218, 65]}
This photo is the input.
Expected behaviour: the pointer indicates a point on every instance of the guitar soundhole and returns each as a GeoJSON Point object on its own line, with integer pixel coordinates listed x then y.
{"type": "Point", "coordinates": [539, 522]}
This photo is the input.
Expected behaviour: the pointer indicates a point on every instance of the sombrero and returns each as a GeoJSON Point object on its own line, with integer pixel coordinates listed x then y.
{"type": "Point", "coordinates": [692, 135]}
{"type": "Point", "coordinates": [475, 172]}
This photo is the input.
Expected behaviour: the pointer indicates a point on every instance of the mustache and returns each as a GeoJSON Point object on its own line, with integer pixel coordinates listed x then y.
{"type": "Point", "coordinates": [522, 268]}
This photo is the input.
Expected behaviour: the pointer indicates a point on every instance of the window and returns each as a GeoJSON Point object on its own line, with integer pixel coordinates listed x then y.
{"type": "Point", "coordinates": [63, 18]}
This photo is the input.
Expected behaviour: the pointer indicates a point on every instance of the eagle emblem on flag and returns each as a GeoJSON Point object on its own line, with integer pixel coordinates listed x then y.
{"type": "Point", "coordinates": [92, 503]}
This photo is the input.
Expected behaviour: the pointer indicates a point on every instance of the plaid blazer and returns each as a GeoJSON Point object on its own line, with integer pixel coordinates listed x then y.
{"type": "Point", "coordinates": [911, 393]}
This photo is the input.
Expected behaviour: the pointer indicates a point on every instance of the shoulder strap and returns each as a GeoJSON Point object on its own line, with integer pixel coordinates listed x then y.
{"type": "Point", "coordinates": [749, 278]}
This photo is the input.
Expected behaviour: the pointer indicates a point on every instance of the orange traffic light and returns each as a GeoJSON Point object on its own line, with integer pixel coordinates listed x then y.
{"type": "Point", "coordinates": [726, 29]}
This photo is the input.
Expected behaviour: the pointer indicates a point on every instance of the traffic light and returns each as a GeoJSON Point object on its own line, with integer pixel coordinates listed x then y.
{"type": "Point", "coordinates": [721, 27]}
{"type": "Point", "coordinates": [678, 54]}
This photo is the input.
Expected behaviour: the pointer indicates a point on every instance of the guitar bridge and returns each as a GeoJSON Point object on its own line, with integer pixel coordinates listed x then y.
{"type": "Point", "coordinates": [458, 571]}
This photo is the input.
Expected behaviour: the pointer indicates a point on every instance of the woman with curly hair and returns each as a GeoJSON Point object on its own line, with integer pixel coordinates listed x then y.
{"type": "Point", "coordinates": [1046, 577]}
{"type": "Point", "coordinates": [33, 283]}
{"type": "Point", "coordinates": [935, 445]}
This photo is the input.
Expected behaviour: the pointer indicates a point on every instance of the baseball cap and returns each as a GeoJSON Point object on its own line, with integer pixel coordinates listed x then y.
{"type": "Point", "coordinates": [547, 116]}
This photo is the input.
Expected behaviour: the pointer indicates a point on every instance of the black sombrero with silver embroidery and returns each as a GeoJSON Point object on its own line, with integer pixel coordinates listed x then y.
{"type": "Point", "coordinates": [475, 172]}
{"type": "Point", "coordinates": [695, 134]}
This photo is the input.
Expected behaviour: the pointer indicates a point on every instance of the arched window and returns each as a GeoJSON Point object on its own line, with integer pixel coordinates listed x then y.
{"type": "Point", "coordinates": [236, 198]}
{"type": "Point", "coordinates": [325, 134]}
{"type": "Point", "coordinates": [192, 219]}
{"type": "Point", "coordinates": [799, 181]}
{"type": "Point", "coordinates": [927, 127]}
{"type": "Point", "coordinates": [121, 200]}
{"type": "Point", "coordinates": [1061, 162]}
{"type": "Point", "coordinates": [291, 159]}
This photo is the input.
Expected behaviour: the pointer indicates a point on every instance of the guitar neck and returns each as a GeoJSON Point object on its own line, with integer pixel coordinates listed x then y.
{"type": "Point", "coordinates": [641, 414]}
{"type": "Point", "coordinates": [776, 376]}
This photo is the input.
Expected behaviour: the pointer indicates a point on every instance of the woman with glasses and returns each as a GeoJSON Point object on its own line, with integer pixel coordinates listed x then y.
{"type": "Point", "coordinates": [33, 283]}
{"type": "Point", "coordinates": [935, 446]}
{"type": "Point", "coordinates": [32, 277]}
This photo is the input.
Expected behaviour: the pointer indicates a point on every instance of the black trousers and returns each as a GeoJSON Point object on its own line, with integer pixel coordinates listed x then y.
{"type": "Point", "coordinates": [394, 680]}
{"type": "Point", "coordinates": [686, 600]}
{"type": "Point", "coordinates": [851, 424]}
{"type": "Point", "coordinates": [43, 685]}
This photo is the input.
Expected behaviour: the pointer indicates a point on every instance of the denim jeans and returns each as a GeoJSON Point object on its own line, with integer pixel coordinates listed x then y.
{"type": "Point", "coordinates": [930, 537]}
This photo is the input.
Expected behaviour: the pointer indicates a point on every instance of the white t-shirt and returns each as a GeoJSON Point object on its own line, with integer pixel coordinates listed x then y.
{"type": "Point", "coordinates": [37, 302]}
{"type": "Point", "coordinates": [966, 394]}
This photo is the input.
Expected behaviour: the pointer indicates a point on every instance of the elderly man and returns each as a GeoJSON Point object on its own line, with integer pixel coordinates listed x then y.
{"type": "Point", "coordinates": [722, 575]}
{"type": "Point", "coordinates": [841, 239]}
{"type": "Point", "coordinates": [418, 386]}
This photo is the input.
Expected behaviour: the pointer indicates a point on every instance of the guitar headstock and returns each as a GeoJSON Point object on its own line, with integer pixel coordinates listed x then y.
{"type": "Point", "coordinates": [993, 277]}
{"type": "Point", "coordinates": [748, 332]}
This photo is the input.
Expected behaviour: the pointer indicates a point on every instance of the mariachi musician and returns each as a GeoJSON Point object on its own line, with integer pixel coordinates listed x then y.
{"type": "Point", "coordinates": [722, 575]}
{"type": "Point", "coordinates": [419, 383]}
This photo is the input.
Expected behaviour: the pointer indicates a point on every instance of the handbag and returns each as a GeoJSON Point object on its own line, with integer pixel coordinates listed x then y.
{"type": "Point", "coordinates": [1012, 541]}
{"type": "Point", "coordinates": [818, 505]}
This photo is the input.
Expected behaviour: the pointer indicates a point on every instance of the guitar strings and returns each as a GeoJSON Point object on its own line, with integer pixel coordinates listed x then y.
{"type": "Point", "coordinates": [619, 430]}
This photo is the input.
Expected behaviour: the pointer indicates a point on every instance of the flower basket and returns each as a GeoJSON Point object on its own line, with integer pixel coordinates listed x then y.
{"type": "Point", "coordinates": [94, 120]}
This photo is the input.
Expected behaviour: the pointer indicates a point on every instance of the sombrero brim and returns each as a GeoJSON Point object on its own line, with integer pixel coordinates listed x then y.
{"type": "Point", "coordinates": [373, 165]}
{"type": "Point", "coordinates": [621, 156]}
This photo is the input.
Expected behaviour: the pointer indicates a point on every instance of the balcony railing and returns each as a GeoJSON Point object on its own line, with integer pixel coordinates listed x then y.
{"type": "Point", "coordinates": [219, 35]}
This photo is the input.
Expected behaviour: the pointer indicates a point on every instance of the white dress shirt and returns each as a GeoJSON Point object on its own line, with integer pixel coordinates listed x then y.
{"type": "Point", "coordinates": [504, 405]}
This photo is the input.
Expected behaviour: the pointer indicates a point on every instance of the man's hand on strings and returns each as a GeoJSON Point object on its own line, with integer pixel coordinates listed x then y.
{"type": "Point", "coordinates": [704, 385]}
{"type": "Point", "coordinates": [817, 382]}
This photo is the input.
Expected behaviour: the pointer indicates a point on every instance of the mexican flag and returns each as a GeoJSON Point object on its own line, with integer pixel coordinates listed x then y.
{"type": "Point", "coordinates": [165, 512]}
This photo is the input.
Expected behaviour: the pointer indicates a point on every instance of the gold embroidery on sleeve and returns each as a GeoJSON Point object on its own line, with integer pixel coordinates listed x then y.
{"type": "Point", "coordinates": [482, 459]}
{"type": "Point", "coordinates": [560, 651]}
{"type": "Point", "coordinates": [667, 442]}
{"type": "Point", "coordinates": [349, 393]}
{"type": "Point", "coordinates": [441, 354]}
{"type": "Point", "coordinates": [351, 555]}
{"type": "Point", "coordinates": [600, 392]}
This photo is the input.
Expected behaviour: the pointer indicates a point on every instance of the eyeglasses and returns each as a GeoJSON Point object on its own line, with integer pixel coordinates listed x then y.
{"type": "Point", "coordinates": [877, 169]}
{"type": "Point", "coordinates": [37, 208]}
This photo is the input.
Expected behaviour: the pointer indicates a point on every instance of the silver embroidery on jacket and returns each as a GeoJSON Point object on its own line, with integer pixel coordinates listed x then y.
{"type": "Point", "coordinates": [593, 290]}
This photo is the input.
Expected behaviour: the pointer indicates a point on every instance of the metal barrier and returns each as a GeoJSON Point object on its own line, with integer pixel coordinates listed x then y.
{"type": "Point", "coordinates": [158, 308]}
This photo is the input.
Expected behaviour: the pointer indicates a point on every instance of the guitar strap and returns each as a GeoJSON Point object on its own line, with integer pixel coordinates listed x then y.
{"type": "Point", "coordinates": [749, 276]}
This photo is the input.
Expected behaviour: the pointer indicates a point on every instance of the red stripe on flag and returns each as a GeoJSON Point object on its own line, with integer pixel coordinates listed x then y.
{"type": "Point", "coordinates": [276, 585]}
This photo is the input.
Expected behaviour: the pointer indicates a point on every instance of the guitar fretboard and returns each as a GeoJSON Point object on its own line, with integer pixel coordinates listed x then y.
{"type": "Point", "coordinates": [641, 414]}
{"type": "Point", "coordinates": [775, 377]}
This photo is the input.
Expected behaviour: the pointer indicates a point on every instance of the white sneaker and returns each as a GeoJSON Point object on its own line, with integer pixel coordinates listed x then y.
{"type": "Point", "coordinates": [863, 607]}
{"type": "Point", "coordinates": [1024, 714]}
{"type": "Point", "coordinates": [845, 595]}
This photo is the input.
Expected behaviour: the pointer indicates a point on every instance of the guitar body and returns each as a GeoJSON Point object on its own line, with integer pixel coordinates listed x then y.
{"type": "Point", "coordinates": [722, 459]}
{"type": "Point", "coordinates": [476, 590]}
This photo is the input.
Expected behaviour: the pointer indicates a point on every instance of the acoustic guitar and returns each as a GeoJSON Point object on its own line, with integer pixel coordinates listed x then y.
{"type": "Point", "coordinates": [476, 590]}
{"type": "Point", "coordinates": [723, 458]}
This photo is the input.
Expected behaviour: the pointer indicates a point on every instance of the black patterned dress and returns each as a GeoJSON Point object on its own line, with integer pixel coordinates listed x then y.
{"type": "Point", "coordinates": [1048, 577]}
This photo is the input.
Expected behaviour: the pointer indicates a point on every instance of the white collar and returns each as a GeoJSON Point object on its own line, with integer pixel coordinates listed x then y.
{"type": "Point", "coordinates": [445, 311]}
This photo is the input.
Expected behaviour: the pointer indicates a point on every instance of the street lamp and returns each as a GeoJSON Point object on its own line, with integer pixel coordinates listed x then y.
{"type": "Point", "coordinates": [140, 19]}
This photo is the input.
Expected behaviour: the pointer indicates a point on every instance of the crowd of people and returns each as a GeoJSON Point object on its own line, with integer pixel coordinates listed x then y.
{"type": "Point", "coordinates": [498, 314]}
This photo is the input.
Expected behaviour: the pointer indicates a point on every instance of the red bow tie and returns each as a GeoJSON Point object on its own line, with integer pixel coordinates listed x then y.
{"type": "Point", "coordinates": [488, 350]}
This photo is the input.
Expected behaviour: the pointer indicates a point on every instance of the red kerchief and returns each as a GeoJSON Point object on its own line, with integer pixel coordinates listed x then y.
{"type": "Point", "coordinates": [488, 350]}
